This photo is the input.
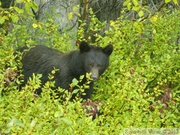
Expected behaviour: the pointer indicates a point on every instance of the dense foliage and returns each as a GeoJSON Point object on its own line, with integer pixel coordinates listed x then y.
{"type": "Point", "coordinates": [140, 89]}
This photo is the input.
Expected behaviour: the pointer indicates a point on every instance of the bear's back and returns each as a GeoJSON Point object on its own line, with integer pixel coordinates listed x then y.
{"type": "Point", "coordinates": [42, 53]}
{"type": "Point", "coordinates": [40, 59]}
{"type": "Point", "coordinates": [46, 51]}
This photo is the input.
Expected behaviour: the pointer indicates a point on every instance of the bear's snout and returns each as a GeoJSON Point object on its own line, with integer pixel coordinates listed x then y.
{"type": "Point", "coordinates": [94, 74]}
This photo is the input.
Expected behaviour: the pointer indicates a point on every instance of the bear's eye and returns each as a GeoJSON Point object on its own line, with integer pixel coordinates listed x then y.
{"type": "Point", "coordinates": [99, 66]}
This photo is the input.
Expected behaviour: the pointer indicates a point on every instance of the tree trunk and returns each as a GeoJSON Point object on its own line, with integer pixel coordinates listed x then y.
{"type": "Point", "coordinates": [59, 10]}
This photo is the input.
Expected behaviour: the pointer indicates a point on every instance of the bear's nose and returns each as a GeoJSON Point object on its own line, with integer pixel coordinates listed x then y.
{"type": "Point", "coordinates": [94, 78]}
{"type": "Point", "coordinates": [94, 74]}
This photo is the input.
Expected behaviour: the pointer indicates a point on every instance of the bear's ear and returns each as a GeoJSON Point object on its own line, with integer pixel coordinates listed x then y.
{"type": "Point", "coordinates": [108, 49]}
{"type": "Point", "coordinates": [84, 47]}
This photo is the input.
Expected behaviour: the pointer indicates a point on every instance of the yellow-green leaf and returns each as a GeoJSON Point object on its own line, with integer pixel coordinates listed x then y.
{"type": "Point", "coordinates": [138, 26]}
{"type": "Point", "coordinates": [154, 19]}
{"type": "Point", "coordinates": [129, 6]}
{"type": "Point", "coordinates": [76, 10]}
{"type": "Point", "coordinates": [126, 2]}
{"type": "Point", "coordinates": [70, 15]}
{"type": "Point", "coordinates": [2, 20]}
{"type": "Point", "coordinates": [19, 1]}
{"type": "Point", "coordinates": [14, 18]}
{"type": "Point", "coordinates": [140, 13]}
{"type": "Point", "coordinates": [166, 1]}
{"type": "Point", "coordinates": [35, 25]}
{"type": "Point", "coordinates": [135, 2]}
{"type": "Point", "coordinates": [18, 10]}
{"type": "Point", "coordinates": [136, 8]}
{"type": "Point", "coordinates": [112, 23]}
{"type": "Point", "coordinates": [75, 82]}
{"type": "Point", "coordinates": [67, 121]}
{"type": "Point", "coordinates": [175, 2]}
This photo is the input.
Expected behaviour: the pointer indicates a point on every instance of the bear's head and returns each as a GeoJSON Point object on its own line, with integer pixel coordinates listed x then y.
{"type": "Point", "coordinates": [95, 58]}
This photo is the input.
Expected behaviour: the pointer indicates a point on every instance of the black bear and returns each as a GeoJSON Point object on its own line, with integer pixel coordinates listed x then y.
{"type": "Point", "coordinates": [87, 59]}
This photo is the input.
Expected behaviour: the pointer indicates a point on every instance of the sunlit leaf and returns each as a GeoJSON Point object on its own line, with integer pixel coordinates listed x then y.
{"type": "Point", "coordinates": [34, 25]}
{"type": "Point", "coordinates": [14, 18]}
{"type": "Point", "coordinates": [75, 81]}
{"type": "Point", "coordinates": [154, 19]}
{"type": "Point", "coordinates": [175, 2]}
{"type": "Point", "coordinates": [70, 15]}
{"type": "Point", "coordinates": [75, 91]}
{"type": "Point", "coordinates": [81, 77]}
{"type": "Point", "coordinates": [32, 124]}
{"type": "Point", "coordinates": [19, 10]}
{"type": "Point", "coordinates": [19, 1]}
{"type": "Point", "coordinates": [140, 13]}
{"type": "Point", "coordinates": [67, 121]}
{"type": "Point", "coordinates": [135, 2]}
{"type": "Point", "coordinates": [58, 114]}
{"type": "Point", "coordinates": [129, 6]}
{"type": "Point", "coordinates": [2, 20]}
{"type": "Point", "coordinates": [166, 1]}
{"type": "Point", "coordinates": [136, 8]}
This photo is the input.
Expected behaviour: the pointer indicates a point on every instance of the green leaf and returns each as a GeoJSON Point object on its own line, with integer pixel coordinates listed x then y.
{"type": "Point", "coordinates": [140, 13]}
{"type": "Point", "coordinates": [75, 91]}
{"type": "Point", "coordinates": [175, 2]}
{"type": "Point", "coordinates": [67, 121]}
{"type": "Point", "coordinates": [58, 114]}
{"type": "Point", "coordinates": [76, 10]}
{"type": "Point", "coordinates": [19, 1]}
{"type": "Point", "coordinates": [32, 124]}
{"type": "Point", "coordinates": [74, 81]}
{"type": "Point", "coordinates": [34, 5]}
{"type": "Point", "coordinates": [70, 15]}
{"type": "Point", "coordinates": [81, 77]}
{"type": "Point", "coordinates": [14, 18]}
{"type": "Point", "coordinates": [166, 1]}
{"type": "Point", "coordinates": [129, 6]}
{"type": "Point", "coordinates": [136, 8]}
{"type": "Point", "coordinates": [15, 121]}
{"type": "Point", "coordinates": [138, 26]}
{"type": "Point", "coordinates": [126, 2]}
{"type": "Point", "coordinates": [2, 20]}
{"type": "Point", "coordinates": [20, 11]}
{"type": "Point", "coordinates": [135, 2]}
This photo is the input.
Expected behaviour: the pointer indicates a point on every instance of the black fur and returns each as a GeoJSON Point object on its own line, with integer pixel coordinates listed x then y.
{"type": "Point", "coordinates": [43, 60]}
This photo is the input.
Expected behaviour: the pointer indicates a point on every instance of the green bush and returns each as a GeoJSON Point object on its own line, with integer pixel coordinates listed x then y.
{"type": "Point", "coordinates": [144, 73]}
{"type": "Point", "coordinates": [140, 89]}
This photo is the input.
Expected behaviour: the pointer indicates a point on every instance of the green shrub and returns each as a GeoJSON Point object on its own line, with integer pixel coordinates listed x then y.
{"type": "Point", "coordinates": [144, 74]}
